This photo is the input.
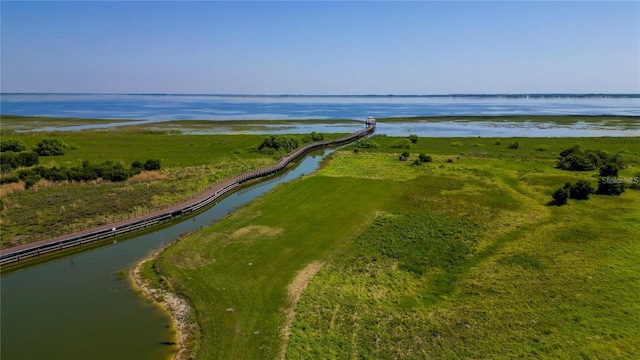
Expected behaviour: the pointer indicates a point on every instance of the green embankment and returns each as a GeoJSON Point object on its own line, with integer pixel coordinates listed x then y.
{"type": "Point", "coordinates": [443, 260]}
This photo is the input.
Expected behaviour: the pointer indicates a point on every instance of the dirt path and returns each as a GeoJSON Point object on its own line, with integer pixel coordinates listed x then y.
{"type": "Point", "coordinates": [295, 290]}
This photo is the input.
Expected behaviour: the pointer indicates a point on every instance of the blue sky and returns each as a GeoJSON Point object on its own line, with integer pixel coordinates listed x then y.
{"type": "Point", "coordinates": [321, 47]}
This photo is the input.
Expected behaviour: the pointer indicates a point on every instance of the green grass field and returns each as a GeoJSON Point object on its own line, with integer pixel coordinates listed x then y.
{"type": "Point", "coordinates": [461, 259]}
{"type": "Point", "coordinates": [189, 164]}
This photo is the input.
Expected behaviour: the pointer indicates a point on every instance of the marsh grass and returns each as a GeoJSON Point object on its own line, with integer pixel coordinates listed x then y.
{"type": "Point", "coordinates": [541, 282]}
{"type": "Point", "coordinates": [613, 121]}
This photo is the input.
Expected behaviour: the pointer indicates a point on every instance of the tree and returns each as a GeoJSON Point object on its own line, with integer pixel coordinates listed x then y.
{"type": "Point", "coordinates": [12, 145]}
{"type": "Point", "coordinates": [51, 147]}
{"type": "Point", "coordinates": [414, 138]}
{"type": "Point", "coordinates": [561, 195]}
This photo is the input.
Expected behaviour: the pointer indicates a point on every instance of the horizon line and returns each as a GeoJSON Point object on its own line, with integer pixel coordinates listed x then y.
{"type": "Point", "coordinates": [558, 94]}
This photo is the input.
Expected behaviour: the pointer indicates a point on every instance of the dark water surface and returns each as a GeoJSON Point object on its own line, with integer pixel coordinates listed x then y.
{"type": "Point", "coordinates": [78, 307]}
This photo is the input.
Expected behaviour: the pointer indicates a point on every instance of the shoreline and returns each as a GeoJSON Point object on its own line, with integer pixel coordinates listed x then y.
{"type": "Point", "coordinates": [177, 307]}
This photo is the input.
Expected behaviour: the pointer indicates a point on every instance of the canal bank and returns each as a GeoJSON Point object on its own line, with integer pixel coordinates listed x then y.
{"type": "Point", "coordinates": [81, 306]}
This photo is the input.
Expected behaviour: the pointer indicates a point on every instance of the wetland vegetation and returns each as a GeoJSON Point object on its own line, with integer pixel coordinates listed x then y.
{"type": "Point", "coordinates": [455, 252]}
{"type": "Point", "coordinates": [458, 257]}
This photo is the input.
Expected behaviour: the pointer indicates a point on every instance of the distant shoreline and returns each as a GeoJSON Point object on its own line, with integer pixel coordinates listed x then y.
{"type": "Point", "coordinates": [461, 95]}
{"type": "Point", "coordinates": [458, 125]}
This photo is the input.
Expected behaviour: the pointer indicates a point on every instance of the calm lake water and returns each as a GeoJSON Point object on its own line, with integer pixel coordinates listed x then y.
{"type": "Point", "coordinates": [159, 108]}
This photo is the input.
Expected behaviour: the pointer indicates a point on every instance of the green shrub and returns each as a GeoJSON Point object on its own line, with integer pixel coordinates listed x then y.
{"type": "Point", "coordinates": [314, 136]}
{"type": "Point", "coordinates": [425, 158]}
{"type": "Point", "coordinates": [497, 142]}
{"type": "Point", "coordinates": [414, 138]}
{"type": "Point", "coordinates": [581, 190]}
{"type": "Point", "coordinates": [8, 161]}
{"type": "Point", "coordinates": [8, 179]}
{"type": "Point", "coordinates": [31, 180]}
{"type": "Point", "coordinates": [542, 148]}
{"type": "Point", "coordinates": [561, 195]}
{"type": "Point", "coordinates": [279, 143]}
{"type": "Point", "coordinates": [576, 159]}
{"type": "Point", "coordinates": [12, 145]}
{"type": "Point", "coordinates": [477, 145]}
{"type": "Point", "coordinates": [51, 147]}
{"type": "Point", "coordinates": [609, 183]}
{"type": "Point", "coordinates": [456, 143]}
{"type": "Point", "coordinates": [152, 164]}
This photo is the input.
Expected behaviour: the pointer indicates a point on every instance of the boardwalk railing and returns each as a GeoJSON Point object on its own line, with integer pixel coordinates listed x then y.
{"type": "Point", "coordinates": [37, 245]}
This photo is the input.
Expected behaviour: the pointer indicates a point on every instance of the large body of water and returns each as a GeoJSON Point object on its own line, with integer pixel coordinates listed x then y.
{"type": "Point", "coordinates": [244, 107]}
{"type": "Point", "coordinates": [161, 108]}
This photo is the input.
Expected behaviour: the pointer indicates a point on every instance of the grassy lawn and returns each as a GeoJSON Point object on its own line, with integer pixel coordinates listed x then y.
{"type": "Point", "coordinates": [236, 272]}
{"type": "Point", "coordinates": [443, 260]}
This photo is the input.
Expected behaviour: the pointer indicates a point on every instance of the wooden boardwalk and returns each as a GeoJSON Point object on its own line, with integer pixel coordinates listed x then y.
{"type": "Point", "coordinates": [199, 201]}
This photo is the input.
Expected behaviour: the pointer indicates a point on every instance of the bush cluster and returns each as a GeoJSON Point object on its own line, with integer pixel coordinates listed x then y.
{"type": "Point", "coordinates": [51, 147]}
{"type": "Point", "coordinates": [87, 171]}
{"type": "Point", "coordinates": [314, 136]}
{"type": "Point", "coordinates": [576, 159]}
{"type": "Point", "coordinates": [404, 156]}
{"type": "Point", "coordinates": [425, 158]}
{"type": "Point", "coordinates": [579, 191]}
{"type": "Point", "coordinates": [279, 144]}
{"type": "Point", "coordinates": [12, 145]}
{"type": "Point", "coordinates": [12, 160]}
{"type": "Point", "coordinates": [608, 183]}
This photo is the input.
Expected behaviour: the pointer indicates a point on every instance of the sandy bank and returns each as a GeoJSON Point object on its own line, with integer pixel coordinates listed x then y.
{"type": "Point", "coordinates": [177, 307]}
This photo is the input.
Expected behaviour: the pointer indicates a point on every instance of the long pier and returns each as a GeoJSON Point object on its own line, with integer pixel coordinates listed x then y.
{"type": "Point", "coordinates": [195, 203]}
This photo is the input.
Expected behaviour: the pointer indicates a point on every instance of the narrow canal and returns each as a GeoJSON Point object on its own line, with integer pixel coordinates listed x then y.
{"type": "Point", "coordinates": [81, 306]}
